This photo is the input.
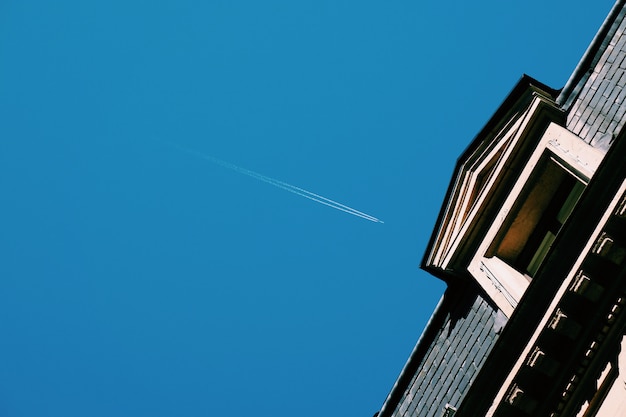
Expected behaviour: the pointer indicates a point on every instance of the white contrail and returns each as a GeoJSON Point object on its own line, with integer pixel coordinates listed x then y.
{"type": "Point", "coordinates": [280, 184]}
{"type": "Point", "coordinates": [313, 196]}
{"type": "Point", "coordinates": [297, 190]}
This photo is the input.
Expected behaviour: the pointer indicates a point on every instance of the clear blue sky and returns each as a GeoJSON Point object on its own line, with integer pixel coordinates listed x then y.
{"type": "Point", "coordinates": [139, 280]}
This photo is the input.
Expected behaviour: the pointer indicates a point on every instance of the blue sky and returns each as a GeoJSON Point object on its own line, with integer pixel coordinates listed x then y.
{"type": "Point", "coordinates": [139, 280]}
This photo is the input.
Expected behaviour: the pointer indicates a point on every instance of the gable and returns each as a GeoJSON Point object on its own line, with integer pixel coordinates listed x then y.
{"type": "Point", "coordinates": [483, 175]}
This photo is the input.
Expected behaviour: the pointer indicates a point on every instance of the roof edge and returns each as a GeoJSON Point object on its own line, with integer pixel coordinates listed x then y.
{"type": "Point", "coordinates": [592, 55]}
{"type": "Point", "coordinates": [407, 372]}
{"type": "Point", "coordinates": [525, 84]}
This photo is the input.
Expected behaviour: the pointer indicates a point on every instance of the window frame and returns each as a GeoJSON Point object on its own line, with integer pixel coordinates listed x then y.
{"type": "Point", "coordinates": [503, 282]}
{"type": "Point", "coordinates": [537, 212]}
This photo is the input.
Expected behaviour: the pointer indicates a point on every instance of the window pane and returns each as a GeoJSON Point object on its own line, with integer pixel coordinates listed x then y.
{"type": "Point", "coordinates": [541, 253]}
{"type": "Point", "coordinates": [545, 203]}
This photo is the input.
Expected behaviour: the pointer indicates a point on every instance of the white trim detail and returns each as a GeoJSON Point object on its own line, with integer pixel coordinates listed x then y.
{"type": "Point", "coordinates": [503, 283]}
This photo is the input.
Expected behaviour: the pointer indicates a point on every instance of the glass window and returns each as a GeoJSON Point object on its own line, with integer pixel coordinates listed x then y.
{"type": "Point", "coordinates": [544, 205]}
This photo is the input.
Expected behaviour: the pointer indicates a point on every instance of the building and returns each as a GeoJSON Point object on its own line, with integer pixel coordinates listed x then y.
{"type": "Point", "coordinates": [531, 241]}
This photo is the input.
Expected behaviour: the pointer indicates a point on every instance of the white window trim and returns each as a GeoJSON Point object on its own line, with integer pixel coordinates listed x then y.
{"type": "Point", "coordinates": [504, 284]}
{"type": "Point", "coordinates": [567, 282]}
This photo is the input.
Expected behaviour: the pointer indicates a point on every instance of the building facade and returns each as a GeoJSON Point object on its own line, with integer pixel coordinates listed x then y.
{"type": "Point", "coordinates": [531, 241]}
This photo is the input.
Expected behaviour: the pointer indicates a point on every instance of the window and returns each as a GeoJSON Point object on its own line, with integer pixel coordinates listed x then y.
{"type": "Point", "coordinates": [521, 229]}
{"type": "Point", "coordinates": [544, 204]}
{"type": "Point", "coordinates": [448, 411]}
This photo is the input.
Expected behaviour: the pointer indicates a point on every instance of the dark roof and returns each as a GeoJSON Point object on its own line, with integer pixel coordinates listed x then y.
{"type": "Point", "coordinates": [592, 55]}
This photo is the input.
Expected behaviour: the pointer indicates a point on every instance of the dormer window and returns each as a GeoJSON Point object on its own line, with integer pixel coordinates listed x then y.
{"type": "Point", "coordinates": [544, 205]}
{"type": "Point", "coordinates": [518, 240]}
{"type": "Point", "coordinates": [511, 194]}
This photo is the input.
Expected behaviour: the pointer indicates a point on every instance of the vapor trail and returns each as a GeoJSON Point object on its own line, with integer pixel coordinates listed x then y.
{"type": "Point", "coordinates": [280, 184]}
{"type": "Point", "coordinates": [297, 190]}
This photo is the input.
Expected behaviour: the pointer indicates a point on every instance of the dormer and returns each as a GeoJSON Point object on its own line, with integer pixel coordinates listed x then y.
{"type": "Point", "coordinates": [512, 190]}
